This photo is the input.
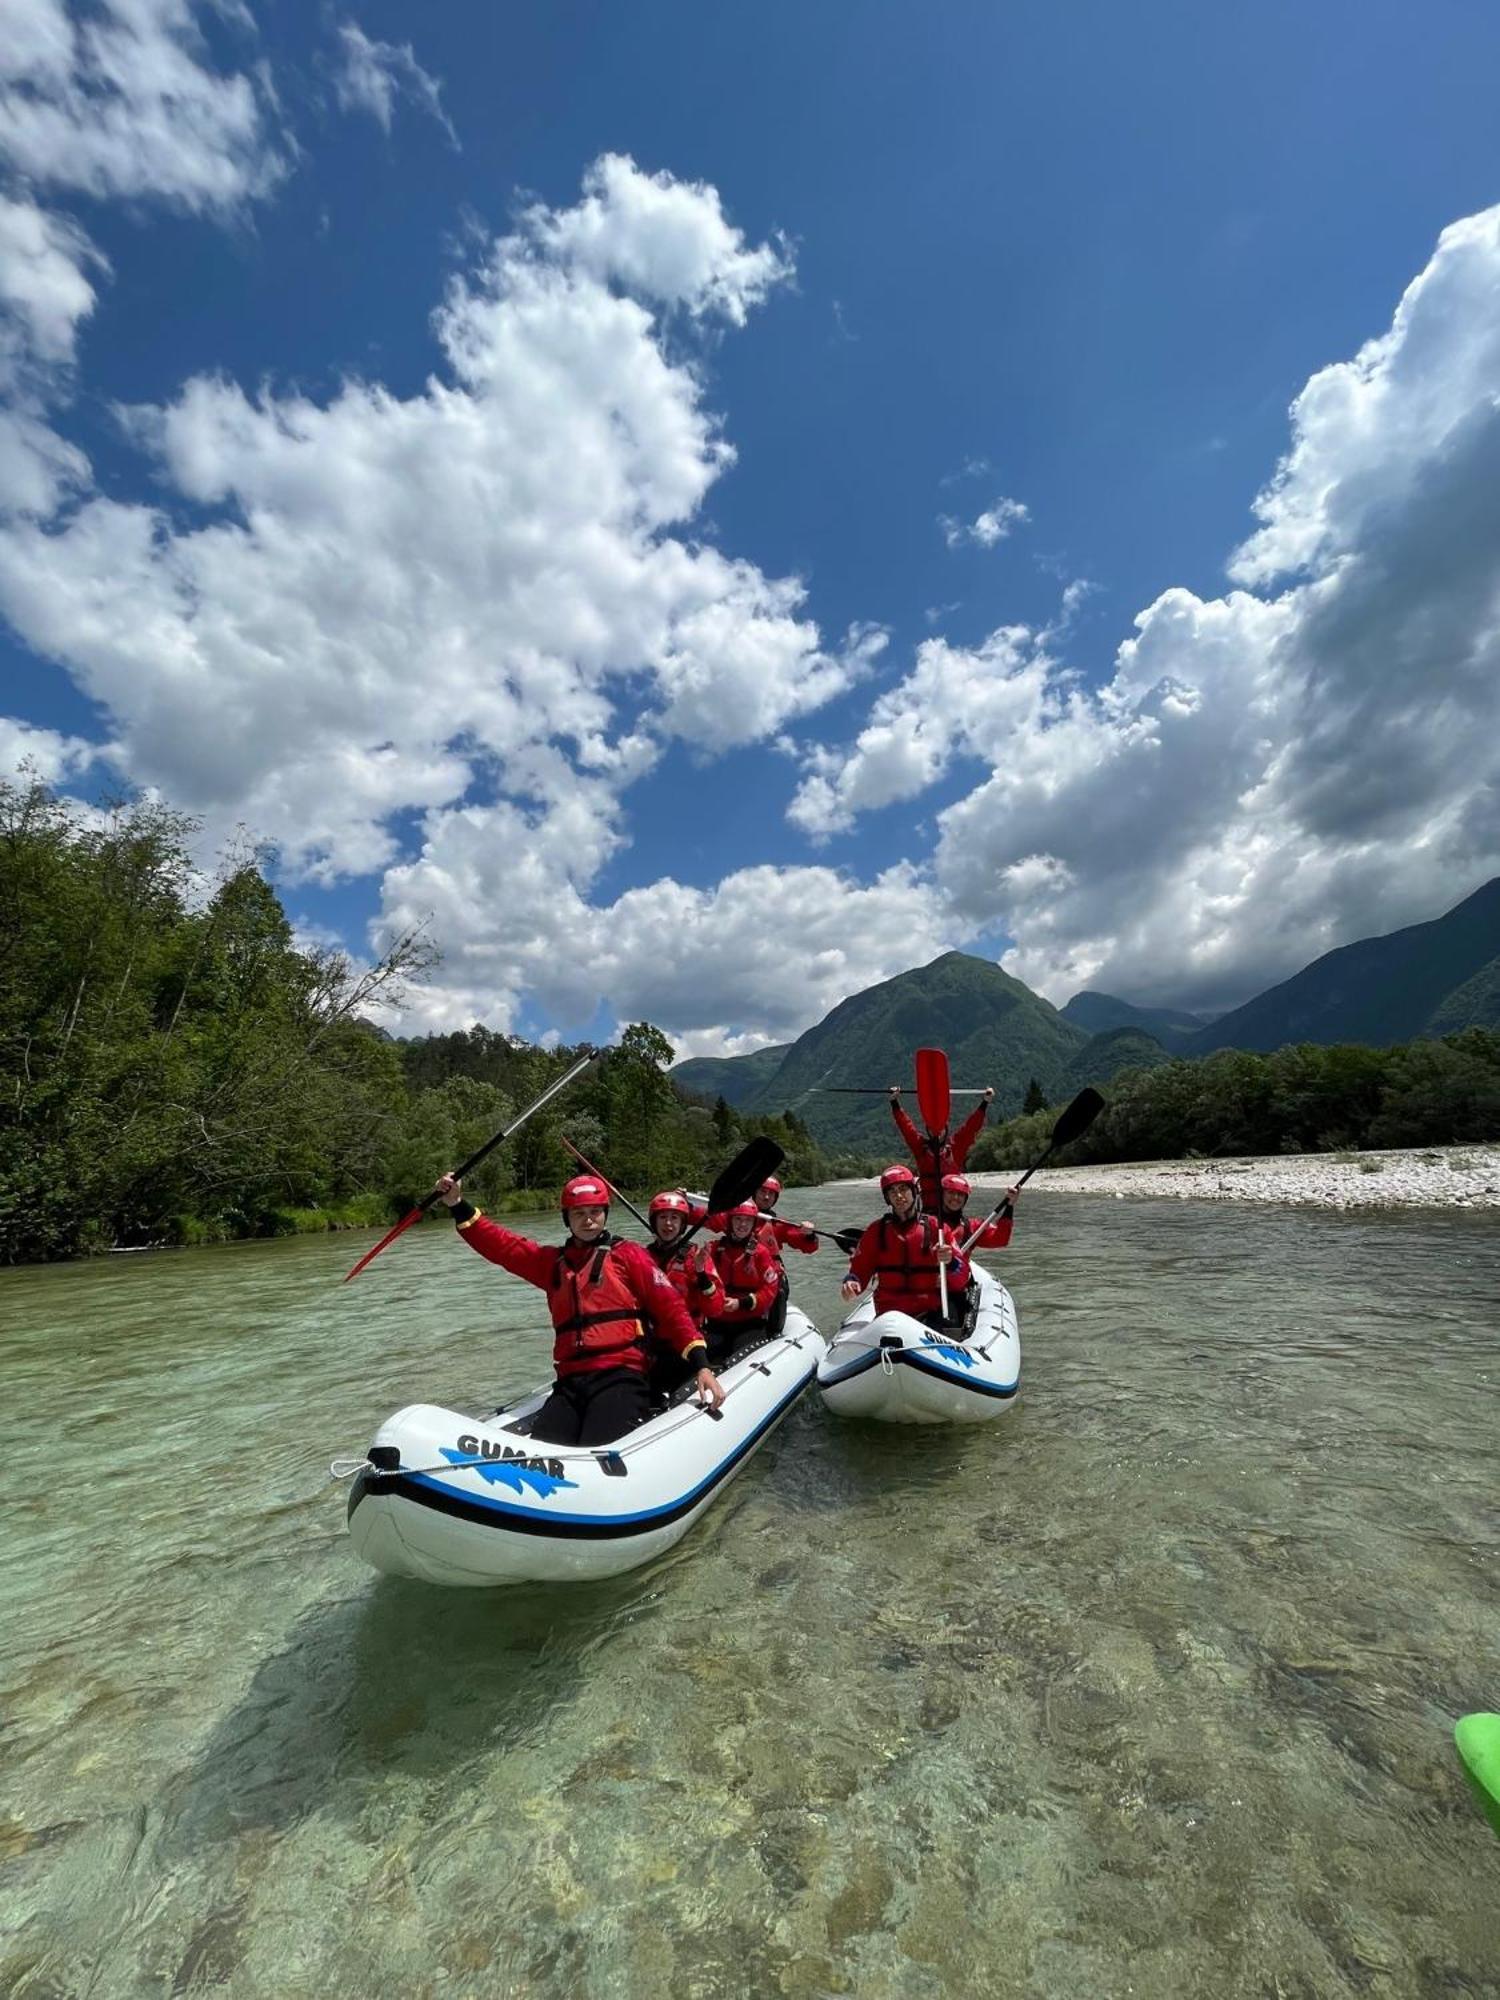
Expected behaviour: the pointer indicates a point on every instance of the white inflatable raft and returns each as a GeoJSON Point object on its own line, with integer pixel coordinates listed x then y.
{"type": "Point", "coordinates": [896, 1369]}
{"type": "Point", "coordinates": [463, 1500]}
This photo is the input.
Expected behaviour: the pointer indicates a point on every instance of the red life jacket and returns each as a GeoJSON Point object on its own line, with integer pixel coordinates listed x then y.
{"type": "Point", "coordinates": [596, 1315]}
{"type": "Point", "coordinates": [695, 1282]}
{"type": "Point", "coordinates": [906, 1278]}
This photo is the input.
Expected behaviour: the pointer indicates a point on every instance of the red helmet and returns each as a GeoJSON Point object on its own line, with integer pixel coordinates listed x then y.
{"type": "Point", "coordinates": [769, 1186]}
{"type": "Point", "coordinates": [897, 1176]}
{"type": "Point", "coordinates": [742, 1208]}
{"type": "Point", "coordinates": [585, 1191]}
{"type": "Point", "coordinates": [956, 1184]}
{"type": "Point", "coordinates": [671, 1201]}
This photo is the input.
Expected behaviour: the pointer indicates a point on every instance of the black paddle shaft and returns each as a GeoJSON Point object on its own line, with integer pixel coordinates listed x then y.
{"type": "Point", "coordinates": [739, 1180]}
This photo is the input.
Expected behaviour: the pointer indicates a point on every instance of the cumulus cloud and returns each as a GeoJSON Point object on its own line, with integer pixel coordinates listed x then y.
{"type": "Point", "coordinates": [53, 757]}
{"type": "Point", "coordinates": [120, 101]}
{"type": "Point", "coordinates": [1305, 760]}
{"type": "Point", "coordinates": [996, 522]}
{"type": "Point", "coordinates": [43, 286]}
{"type": "Point", "coordinates": [504, 893]}
{"type": "Point", "coordinates": [483, 589]}
{"type": "Point", "coordinates": [663, 238]}
{"type": "Point", "coordinates": [371, 76]}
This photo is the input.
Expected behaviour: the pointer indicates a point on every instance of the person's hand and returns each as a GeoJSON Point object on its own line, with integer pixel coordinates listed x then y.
{"type": "Point", "coordinates": [895, 1090]}
{"type": "Point", "coordinates": [450, 1190]}
{"type": "Point", "coordinates": [1013, 1195]}
{"type": "Point", "coordinates": [988, 1095]}
{"type": "Point", "coordinates": [850, 1289]}
{"type": "Point", "coordinates": [710, 1388]}
{"type": "Point", "coordinates": [944, 1253]}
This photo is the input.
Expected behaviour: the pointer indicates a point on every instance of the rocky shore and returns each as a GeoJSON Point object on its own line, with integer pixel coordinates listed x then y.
{"type": "Point", "coordinates": [1430, 1177]}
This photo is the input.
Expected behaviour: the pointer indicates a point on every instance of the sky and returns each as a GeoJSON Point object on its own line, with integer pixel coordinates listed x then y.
{"type": "Point", "coordinates": [705, 508]}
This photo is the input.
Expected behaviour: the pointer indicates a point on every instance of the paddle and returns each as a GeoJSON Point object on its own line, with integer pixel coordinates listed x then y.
{"type": "Point", "coordinates": [1478, 1740]}
{"type": "Point", "coordinates": [934, 1098]}
{"type": "Point", "coordinates": [469, 1165]}
{"type": "Point", "coordinates": [846, 1239]}
{"type": "Point", "coordinates": [739, 1180]}
{"type": "Point", "coordinates": [1072, 1125]}
{"type": "Point", "coordinates": [883, 1090]}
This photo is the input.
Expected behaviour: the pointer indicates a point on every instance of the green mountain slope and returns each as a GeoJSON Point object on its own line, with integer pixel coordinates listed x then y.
{"type": "Point", "coordinates": [1107, 1054]}
{"type": "Point", "coordinates": [995, 1030]}
{"type": "Point", "coordinates": [1378, 991]}
{"type": "Point", "coordinates": [734, 1078]}
{"type": "Point", "coordinates": [1098, 1013]}
{"type": "Point", "coordinates": [1475, 1004]}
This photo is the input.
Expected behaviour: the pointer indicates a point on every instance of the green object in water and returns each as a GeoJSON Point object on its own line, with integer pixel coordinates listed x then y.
{"type": "Point", "coordinates": [1478, 1740]}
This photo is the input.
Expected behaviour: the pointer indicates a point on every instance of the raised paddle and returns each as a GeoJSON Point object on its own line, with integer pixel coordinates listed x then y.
{"type": "Point", "coordinates": [934, 1098]}
{"type": "Point", "coordinates": [879, 1090]}
{"type": "Point", "coordinates": [739, 1180]}
{"type": "Point", "coordinates": [469, 1165]}
{"type": "Point", "coordinates": [589, 1168]}
{"type": "Point", "coordinates": [1074, 1122]}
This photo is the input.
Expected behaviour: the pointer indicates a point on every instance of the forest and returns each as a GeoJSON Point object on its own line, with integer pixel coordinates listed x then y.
{"type": "Point", "coordinates": [176, 1068]}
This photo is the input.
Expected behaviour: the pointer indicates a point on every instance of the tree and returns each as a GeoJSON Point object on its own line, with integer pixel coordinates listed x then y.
{"type": "Point", "coordinates": [1035, 1100]}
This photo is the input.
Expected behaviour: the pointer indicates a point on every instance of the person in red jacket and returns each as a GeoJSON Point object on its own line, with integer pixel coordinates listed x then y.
{"type": "Point", "coordinates": [751, 1279]}
{"type": "Point", "coordinates": [688, 1267]}
{"type": "Point", "coordinates": [936, 1153]}
{"type": "Point", "coordinates": [774, 1232]}
{"type": "Point", "coordinates": [607, 1299]}
{"type": "Point", "coordinates": [901, 1251]}
{"type": "Point", "coordinates": [960, 1226]}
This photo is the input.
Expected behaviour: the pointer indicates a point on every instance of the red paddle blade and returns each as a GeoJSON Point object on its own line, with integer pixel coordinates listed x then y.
{"type": "Point", "coordinates": [389, 1237]}
{"type": "Point", "coordinates": [932, 1088]}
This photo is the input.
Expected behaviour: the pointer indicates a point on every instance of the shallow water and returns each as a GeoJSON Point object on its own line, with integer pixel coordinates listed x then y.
{"type": "Point", "coordinates": [1145, 1689]}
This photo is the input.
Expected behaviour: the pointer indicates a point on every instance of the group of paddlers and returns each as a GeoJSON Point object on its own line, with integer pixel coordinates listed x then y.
{"type": "Point", "coordinates": [634, 1321]}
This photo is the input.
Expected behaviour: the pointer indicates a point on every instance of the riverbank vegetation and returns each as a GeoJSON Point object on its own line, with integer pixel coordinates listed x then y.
{"type": "Point", "coordinates": [177, 1067]}
{"type": "Point", "coordinates": [1301, 1099]}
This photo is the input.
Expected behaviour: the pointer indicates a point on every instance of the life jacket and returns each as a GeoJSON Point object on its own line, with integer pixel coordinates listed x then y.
{"type": "Point", "coordinates": [695, 1282]}
{"type": "Point", "coordinates": [596, 1315]}
{"type": "Point", "coordinates": [905, 1274]}
{"type": "Point", "coordinates": [742, 1267]}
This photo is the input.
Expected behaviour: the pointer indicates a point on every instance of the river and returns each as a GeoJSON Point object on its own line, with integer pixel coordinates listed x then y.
{"type": "Point", "coordinates": [1146, 1689]}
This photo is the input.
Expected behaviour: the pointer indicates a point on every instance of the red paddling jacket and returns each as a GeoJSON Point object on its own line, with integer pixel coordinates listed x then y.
{"type": "Point", "coordinates": [902, 1259]}
{"type": "Point", "coordinates": [689, 1269]}
{"type": "Point", "coordinates": [778, 1236]}
{"type": "Point", "coordinates": [606, 1299]}
{"type": "Point", "coordinates": [750, 1277]}
{"type": "Point", "coordinates": [994, 1236]}
{"type": "Point", "coordinates": [939, 1156]}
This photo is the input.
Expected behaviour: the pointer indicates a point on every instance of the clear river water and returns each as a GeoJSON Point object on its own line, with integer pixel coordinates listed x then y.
{"type": "Point", "coordinates": [1147, 1688]}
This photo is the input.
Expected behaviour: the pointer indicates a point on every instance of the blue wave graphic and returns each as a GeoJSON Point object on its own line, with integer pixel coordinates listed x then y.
{"type": "Point", "coordinates": [512, 1472]}
{"type": "Point", "coordinates": [953, 1353]}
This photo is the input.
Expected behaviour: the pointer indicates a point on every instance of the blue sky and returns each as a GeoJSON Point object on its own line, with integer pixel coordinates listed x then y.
{"type": "Point", "coordinates": [728, 611]}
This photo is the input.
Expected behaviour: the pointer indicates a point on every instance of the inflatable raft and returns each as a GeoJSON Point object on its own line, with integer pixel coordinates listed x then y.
{"type": "Point", "coordinates": [463, 1500]}
{"type": "Point", "coordinates": [895, 1369]}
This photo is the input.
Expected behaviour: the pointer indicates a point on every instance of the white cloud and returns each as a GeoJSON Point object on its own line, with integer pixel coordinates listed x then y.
{"type": "Point", "coordinates": [663, 238]}
{"type": "Point", "coordinates": [1265, 775]}
{"type": "Point", "coordinates": [397, 599]}
{"type": "Point", "coordinates": [372, 75]}
{"type": "Point", "coordinates": [997, 521]}
{"type": "Point", "coordinates": [120, 102]}
{"type": "Point", "coordinates": [712, 967]}
{"type": "Point", "coordinates": [52, 756]}
{"type": "Point", "coordinates": [42, 282]}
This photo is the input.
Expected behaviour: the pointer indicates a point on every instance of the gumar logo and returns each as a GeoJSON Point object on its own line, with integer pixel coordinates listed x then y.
{"type": "Point", "coordinates": [504, 1465]}
{"type": "Point", "coordinates": [953, 1353]}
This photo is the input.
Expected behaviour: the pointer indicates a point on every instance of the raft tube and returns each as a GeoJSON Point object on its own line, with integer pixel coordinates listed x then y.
{"type": "Point", "coordinates": [893, 1368]}
{"type": "Point", "coordinates": [470, 1501]}
{"type": "Point", "coordinates": [1478, 1740]}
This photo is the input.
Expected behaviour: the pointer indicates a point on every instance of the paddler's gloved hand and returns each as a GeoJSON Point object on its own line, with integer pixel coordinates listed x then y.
{"type": "Point", "coordinates": [710, 1388]}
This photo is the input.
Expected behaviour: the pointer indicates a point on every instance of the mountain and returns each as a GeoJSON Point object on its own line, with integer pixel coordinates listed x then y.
{"type": "Point", "coordinates": [734, 1078]}
{"type": "Point", "coordinates": [1104, 1056]}
{"type": "Point", "coordinates": [1097, 1013]}
{"type": "Point", "coordinates": [995, 1030]}
{"type": "Point", "coordinates": [1428, 979]}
